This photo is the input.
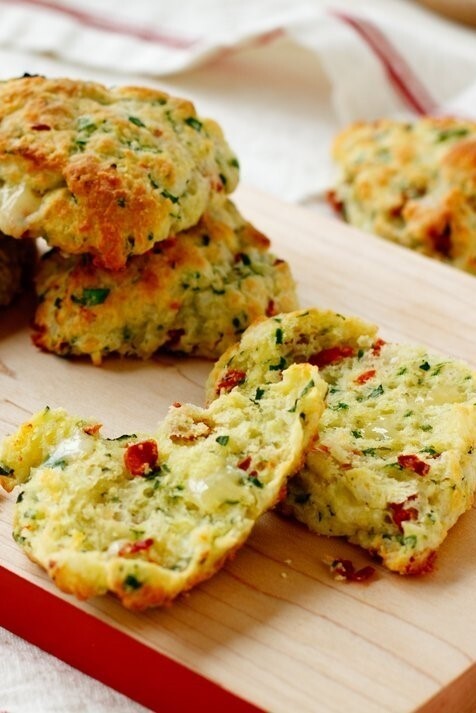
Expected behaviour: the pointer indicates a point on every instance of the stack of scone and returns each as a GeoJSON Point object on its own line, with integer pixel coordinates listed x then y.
{"type": "Point", "coordinates": [129, 187]}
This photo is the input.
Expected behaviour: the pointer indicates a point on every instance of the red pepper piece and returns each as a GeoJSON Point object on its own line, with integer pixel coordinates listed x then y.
{"type": "Point", "coordinates": [232, 378]}
{"type": "Point", "coordinates": [330, 356]}
{"type": "Point", "coordinates": [271, 309]}
{"type": "Point", "coordinates": [401, 514]}
{"type": "Point", "coordinates": [41, 127]}
{"type": "Point", "coordinates": [131, 548]}
{"type": "Point", "coordinates": [245, 463]}
{"type": "Point", "coordinates": [344, 569]}
{"type": "Point", "coordinates": [336, 203]}
{"type": "Point", "coordinates": [377, 346]}
{"type": "Point", "coordinates": [92, 429]}
{"type": "Point", "coordinates": [363, 378]}
{"type": "Point", "coordinates": [414, 463]}
{"type": "Point", "coordinates": [141, 458]}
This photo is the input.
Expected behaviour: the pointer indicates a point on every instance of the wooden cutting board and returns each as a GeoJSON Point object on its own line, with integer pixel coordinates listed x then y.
{"type": "Point", "coordinates": [273, 630]}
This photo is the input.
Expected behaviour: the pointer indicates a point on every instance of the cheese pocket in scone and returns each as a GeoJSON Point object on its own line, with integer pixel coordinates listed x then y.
{"type": "Point", "coordinates": [148, 517]}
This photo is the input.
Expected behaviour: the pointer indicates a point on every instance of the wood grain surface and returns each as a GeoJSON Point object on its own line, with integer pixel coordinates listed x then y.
{"type": "Point", "coordinates": [273, 627]}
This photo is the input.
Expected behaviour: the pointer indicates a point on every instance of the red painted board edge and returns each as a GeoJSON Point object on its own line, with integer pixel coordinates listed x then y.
{"type": "Point", "coordinates": [107, 654]}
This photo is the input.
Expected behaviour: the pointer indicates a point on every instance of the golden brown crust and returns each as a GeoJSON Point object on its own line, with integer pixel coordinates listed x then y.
{"type": "Point", "coordinates": [195, 293]}
{"type": "Point", "coordinates": [105, 171]}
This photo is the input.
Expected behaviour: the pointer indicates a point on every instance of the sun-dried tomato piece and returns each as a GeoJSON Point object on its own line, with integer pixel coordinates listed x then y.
{"type": "Point", "coordinates": [331, 356]}
{"type": "Point", "coordinates": [363, 378]}
{"type": "Point", "coordinates": [413, 462]}
{"type": "Point", "coordinates": [377, 346]}
{"type": "Point", "coordinates": [400, 513]}
{"type": "Point", "coordinates": [131, 548]}
{"type": "Point", "coordinates": [245, 463]}
{"type": "Point", "coordinates": [271, 308]}
{"type": "Point", "coordinates": [141, 458]}
{"type": "Point", "coordinates": [344, 569]}
{"type": "Point", "coordinates": [232, 378]}
{"type": "Point", "coordinates": [92, 429]}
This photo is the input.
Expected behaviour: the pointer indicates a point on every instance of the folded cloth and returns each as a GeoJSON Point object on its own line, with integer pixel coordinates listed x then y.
{"type": "Point", "coordinates": [281, 77]}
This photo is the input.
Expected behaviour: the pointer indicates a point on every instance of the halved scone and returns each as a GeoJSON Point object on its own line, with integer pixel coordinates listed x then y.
{"type": "Point", "coordinates": [394, 465]}
{"type": "Point", "coordinates": [148, 517]}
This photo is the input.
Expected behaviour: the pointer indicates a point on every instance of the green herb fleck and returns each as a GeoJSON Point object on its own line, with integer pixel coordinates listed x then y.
{"type": "Point", "coordinates": [410, 540]}
{"type": "Point", "coordinates": [369, 452]}
{"type": "Point", "coordinates": [256, 481]}
{"type": "Point", "coordinates": [425, 366]}
{"type": "Point", "coordinates": [340, 406]}
{"type": "Point", "coordinates": [170, 196]}
{"type": "Point", "coordinates": [131, 582]}
{"type": "Point", "coordinates": [234, 162]}
{"type": "Point", "coordinates": [357, 433]}
{"type": "Point", "coordinates": [135, 120]}
{"type": "Point", "coordinates": [91, 296]}
{"type": "Point", "coordinates": [360, 354]}
{"type": "Point", "coordinates": [259, 393]}
{"type": "Point", "coordinates": [222, 440]}
{"type": "Point", "coordinates": [20, 497]}
{"type": "Point", "coordinates": [307, 388]}
{"type": "Point", "coordinates": [378, 391]}
{"type": "Point", "coordinates": [279, 366]}
{"type": "Point", "coordinates": [430, 450]}
{"type": "Point", "coordinates": [407, 414]}
{"type": "Point", "coordinates": [194, 123]}
{"type": "Point", "coordinates": [402, 371]}
{"type": "Point", "coordinates": [279, 336]}
{"type": "Point", "coordinates": [456, 133]}
{"type": "Point", "coordinates": [426, 427]}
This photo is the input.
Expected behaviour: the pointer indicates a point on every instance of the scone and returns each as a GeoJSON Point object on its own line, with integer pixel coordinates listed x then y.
{"type": "Point", "coordinates": [194, 294]}
{"type": "Point", "coordinates": [149, 517]}
{"type": "Point", "coordinates": [412, 183]}
{"type": "Point", "coordinates": [395, 464]}
{"type": "Point", "coordinates": [108, 171]}
{"type": "Point", "coordinates": [16, 266]}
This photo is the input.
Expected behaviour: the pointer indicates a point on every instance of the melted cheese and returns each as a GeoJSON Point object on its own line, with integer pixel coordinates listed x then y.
{"type": "Point", "coordinates": [17, 204]}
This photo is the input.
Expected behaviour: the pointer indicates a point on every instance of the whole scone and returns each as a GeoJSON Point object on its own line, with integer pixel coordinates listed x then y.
{"type": "Point", "coordinates": [394, 465]}
{"type": "Point", "coordinates": [16, 266]}
{"type": "Point", "coordinates": [194, 293]}
{"type": "Point", "coordinates": [149, 517]}
{"type": "Point", "coordinates": [108, 171]}
{"type": "Point", "coordinates": [412, 183]}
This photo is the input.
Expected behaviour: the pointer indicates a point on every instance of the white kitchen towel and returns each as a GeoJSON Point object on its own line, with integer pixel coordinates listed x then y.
{"type": "Point", "coordinates": [281, 77]}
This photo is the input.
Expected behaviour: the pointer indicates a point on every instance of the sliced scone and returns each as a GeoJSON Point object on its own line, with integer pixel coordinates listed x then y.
{"type": "Point", "coordinates": [195, 293]}
{"type": "Point", "coordinates": [395, 464]}
{"type": "Point", "coordinates": [413, 183]}
{"type": "Point", "coordinates": [106, 171]}
{"type": "Point", "coordinates": [149, 517]}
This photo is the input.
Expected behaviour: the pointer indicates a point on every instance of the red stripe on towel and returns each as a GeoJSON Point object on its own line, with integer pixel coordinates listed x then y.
{"type": "Point", "coordinates": [107, 24]}
{"type": "Point", "coordinates": [402, 76]}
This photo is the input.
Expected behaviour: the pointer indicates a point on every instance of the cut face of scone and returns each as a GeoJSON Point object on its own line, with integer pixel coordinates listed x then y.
{"type": "Point", "coordinates": [149, 517]}
{"type": "Point", "coordinates": [195, 293]}
{"type": "Point", "coordinates": [107, 171]}
{"type": "Point", "coordinates": [16, 266]}
{"type": "Point", "coordinates": [413, 183]}
{"type": "Point", "coordinates": [394, 465]}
